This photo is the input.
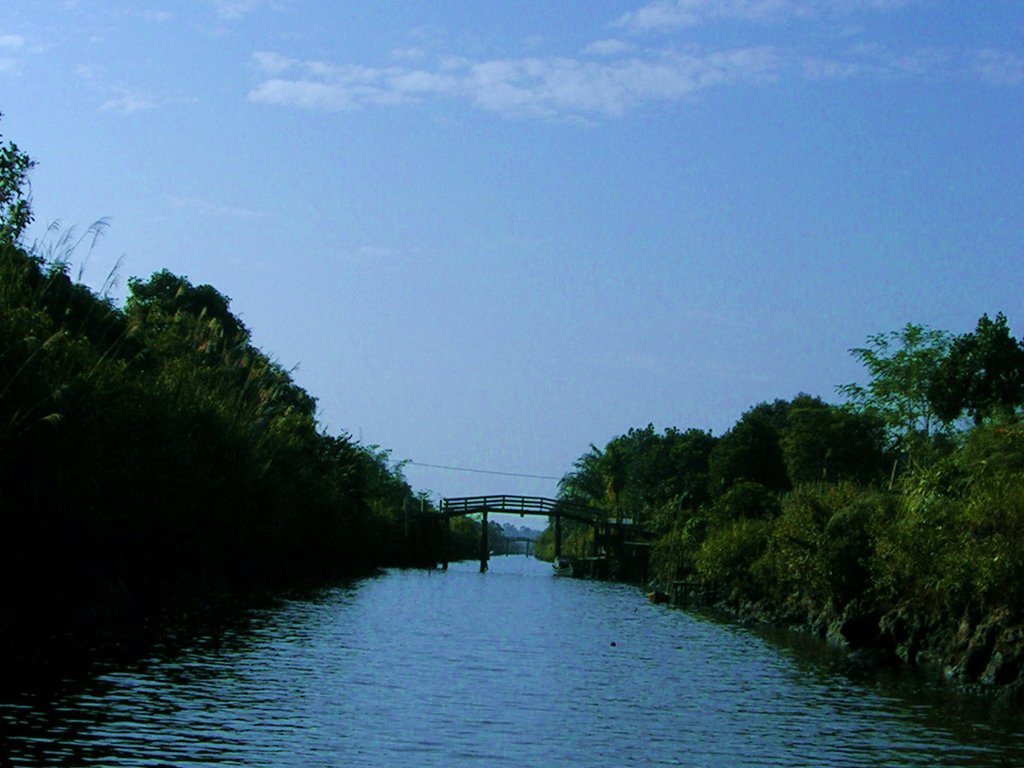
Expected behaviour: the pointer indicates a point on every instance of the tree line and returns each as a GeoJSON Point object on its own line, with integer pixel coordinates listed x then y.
{"type": "Point", "coordinates": [152, 455]}
{"type": "Point", "coordinates": [907, 497]}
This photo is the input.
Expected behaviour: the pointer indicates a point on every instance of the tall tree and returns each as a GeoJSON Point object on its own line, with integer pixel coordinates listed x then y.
{"type": "Point", "coordinates": [902, 365]}
{"type": "Point", "coordinates": [983, 374]}
{"type": "Point", "coordinates": [827, 443]}
{"type": "Point", "coordinates": [751, 450]}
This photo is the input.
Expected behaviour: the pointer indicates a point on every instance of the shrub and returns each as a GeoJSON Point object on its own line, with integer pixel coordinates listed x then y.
{"type": "Point", "coordinates": [728, 554]}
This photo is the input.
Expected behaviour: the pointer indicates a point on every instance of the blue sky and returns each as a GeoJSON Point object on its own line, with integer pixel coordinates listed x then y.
{"type": "Point", "coordinates": [492, 233]}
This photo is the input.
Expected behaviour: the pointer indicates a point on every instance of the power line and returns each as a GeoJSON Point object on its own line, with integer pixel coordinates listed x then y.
{"type": "Point", "coordinates": [481, 471]}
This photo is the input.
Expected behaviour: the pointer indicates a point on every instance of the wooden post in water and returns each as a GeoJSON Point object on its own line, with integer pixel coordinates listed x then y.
{"type": "Point", "coordinates": [445, 526]}
{"type": "Point", "coordinates": [558, 536]}
{"type": "Point", "coordinates": [484, 553]}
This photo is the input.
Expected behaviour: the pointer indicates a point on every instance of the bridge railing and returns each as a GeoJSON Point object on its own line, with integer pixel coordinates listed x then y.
{"type": "Point", "coordinates": [533, 505]}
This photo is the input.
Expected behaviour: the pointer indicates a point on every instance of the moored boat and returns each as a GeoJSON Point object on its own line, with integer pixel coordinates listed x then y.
{"type": "Point", "coordinates": [562, 566]}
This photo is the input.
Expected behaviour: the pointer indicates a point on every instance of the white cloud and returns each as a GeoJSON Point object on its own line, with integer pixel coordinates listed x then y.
{"type": "Point", "coordinates": [232, 10]}
{"type": "Point", "coordinates": [609, 47]}
{"type": "Point", "coordinates": [273, 63]}
{"type": "Point", "coordinates": [664, 15]}
{"type": "Point", "coordinates": [611, 77]}
{"type": "Point", "coordinates": [998, 67]}
{"type": "Point", "coordinates": [305, 94]}
{"type": "Point", "coordinates": [546, 87]}
{"type": "Point", "coordinates": [669, 15]}
{"type": "Point", "coordinates": [12, 41]}
{"type": "Point", "coordinates": [127, 102]}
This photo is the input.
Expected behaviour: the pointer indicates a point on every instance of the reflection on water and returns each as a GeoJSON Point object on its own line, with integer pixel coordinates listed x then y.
{"type": "Point", "coordinates": [509, 668]}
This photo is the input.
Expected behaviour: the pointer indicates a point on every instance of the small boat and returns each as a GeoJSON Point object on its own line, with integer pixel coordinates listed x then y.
{"type": "Point", "coordinates": [562, 566]}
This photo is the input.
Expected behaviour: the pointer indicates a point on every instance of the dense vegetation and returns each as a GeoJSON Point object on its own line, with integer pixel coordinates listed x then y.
{"type": "Point", "coordinates": [903, 508]}
{"type": "Point", "coordinates": [151, 455]}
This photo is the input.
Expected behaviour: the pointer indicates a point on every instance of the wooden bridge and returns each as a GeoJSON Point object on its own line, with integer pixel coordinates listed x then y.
{"type": "Point", "coordinates": [554, 509]}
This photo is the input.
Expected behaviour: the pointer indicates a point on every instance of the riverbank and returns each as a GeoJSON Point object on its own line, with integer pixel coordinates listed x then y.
{"type": "Point", "coordinates": [983, 654]}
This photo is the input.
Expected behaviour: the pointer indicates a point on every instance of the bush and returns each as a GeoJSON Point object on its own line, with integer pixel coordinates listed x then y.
{"type": "Point", "coordinates": [958, 538]}
{"type": "Point", "coordinates": [823, 543]}
{"type": "Point", "coordinates": [728, 555]}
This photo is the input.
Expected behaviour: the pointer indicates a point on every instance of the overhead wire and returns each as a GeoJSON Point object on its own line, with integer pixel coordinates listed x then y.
{"type": "Point", "coordinates": [481, 471]}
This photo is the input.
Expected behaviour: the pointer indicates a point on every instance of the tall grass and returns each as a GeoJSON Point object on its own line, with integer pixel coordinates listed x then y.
{"type": "Point", "coordinates": [152, 457]}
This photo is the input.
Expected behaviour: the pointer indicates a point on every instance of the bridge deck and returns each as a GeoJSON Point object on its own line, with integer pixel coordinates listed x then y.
{"type": "Point", "coordinates": [521, 505]}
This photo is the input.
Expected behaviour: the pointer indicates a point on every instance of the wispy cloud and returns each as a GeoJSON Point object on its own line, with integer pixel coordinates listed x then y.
{"type": "Point", "coordinates": [879, 63]}
{"type": "Point", "coordinates": [667, 15]}
{"type": "Point", "coordinates": [12, 51]}
{"type": "Point", "coordinates": [999, 67]}
{"type": "Point", "coordinates": [612, 76]}
{"type": "Point", "coordinates": [124, 100]}
{"type": "Point", "coordinates": [542, 87]}
{"type": "Point", "coordinates": [232, 10]}
{"type": "Point", "coordinates": [127, 102]}
{"type": "Point", "coordinates": [206, 207]}
{"type": "Point", "coordinates": [995, 67]}
{"type": "Point", "coordinates": [607, 47]}
{"type": "Point", "coordinates": [670, 15]}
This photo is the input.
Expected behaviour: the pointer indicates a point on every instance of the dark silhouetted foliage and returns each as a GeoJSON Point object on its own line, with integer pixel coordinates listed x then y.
{"type": "Point", "coordinates": [982, 376]}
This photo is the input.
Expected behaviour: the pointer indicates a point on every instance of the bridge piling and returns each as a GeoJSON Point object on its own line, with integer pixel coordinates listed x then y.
{"type": "Point", "coordinates": [444, 543]}
{"type": "Point", "coordinates": [484, 548]}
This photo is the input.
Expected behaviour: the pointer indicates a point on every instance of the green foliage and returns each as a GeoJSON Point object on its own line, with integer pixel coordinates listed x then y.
{"type": "Point", "coordinates": [903, 365]}
{"type": "Point", "coordinates": [637, 472]}
{"type": "Point", "coordinates": [729, 554]}
{"type": "Point", "coordinates": [825, 443]}
{"type": "Point", "coordinates": [983, 374]}
{"type": "Point", "coordinates": [958, 539]}
{"type": "Point", "coordinates": [166, 297]}
{"type": "Point", "coordinates": [745, 500]}
{"type": "Point", "coordinates": [154, 455]}
{"type": "Point", "coordinates": [823, 543]}
{"type": "Point", "coordinates": [15, 204]}
{"type": "Point", "coordinates": [577, 541]}
{"type": "Point", "coordinates": [795, 506]}
{"type": "Point", "coordinates": [751, 450]}
{"type": "Point", "coordinates": [675, 552]}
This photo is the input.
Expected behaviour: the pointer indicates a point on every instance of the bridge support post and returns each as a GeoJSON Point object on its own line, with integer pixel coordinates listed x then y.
{"type": "Point", "coordinates": [484, 548]}
{"type": "Point", "coordinates": [558, 536]}
{"type": "Point", "coordinates": [445, 526]}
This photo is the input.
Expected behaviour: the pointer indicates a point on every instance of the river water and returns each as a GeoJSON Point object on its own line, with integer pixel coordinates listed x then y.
{"type": "Point", "coordinates": [516, 667]}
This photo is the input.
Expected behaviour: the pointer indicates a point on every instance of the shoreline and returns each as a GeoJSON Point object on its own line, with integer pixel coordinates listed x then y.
{"type": "Point", "coordinates": [973, 655]}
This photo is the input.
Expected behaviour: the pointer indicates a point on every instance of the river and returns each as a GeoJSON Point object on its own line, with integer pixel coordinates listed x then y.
{"type": "Point", "coordinates": [515, 667]}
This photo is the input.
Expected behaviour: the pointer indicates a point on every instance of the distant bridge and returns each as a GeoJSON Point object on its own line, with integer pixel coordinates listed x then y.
{"type": "Point", "coordinates": [555, 509]}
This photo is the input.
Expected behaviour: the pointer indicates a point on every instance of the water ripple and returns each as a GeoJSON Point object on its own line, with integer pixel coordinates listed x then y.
{"type": "Point", "coordinates": [511, 668]}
